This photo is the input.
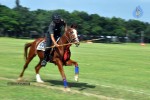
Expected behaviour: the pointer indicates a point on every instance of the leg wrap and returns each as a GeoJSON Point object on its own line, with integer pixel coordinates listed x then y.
{"type": "Point", "coordinates": [76, 70]}
{"type": "Point", "coordinates": [65, 83]}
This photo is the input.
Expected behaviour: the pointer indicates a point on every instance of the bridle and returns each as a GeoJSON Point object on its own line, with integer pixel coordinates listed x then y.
{"type": "Point", "coordinates": [70, 38]}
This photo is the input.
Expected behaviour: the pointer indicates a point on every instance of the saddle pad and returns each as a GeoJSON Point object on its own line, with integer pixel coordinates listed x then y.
{"type": "Point", "coordinates": [67, 53]}
{"type": "Point", "coordinates": [41, 45]}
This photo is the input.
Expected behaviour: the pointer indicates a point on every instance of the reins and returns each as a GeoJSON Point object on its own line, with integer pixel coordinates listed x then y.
{"type": "Point", "coordinates": [61, 45]}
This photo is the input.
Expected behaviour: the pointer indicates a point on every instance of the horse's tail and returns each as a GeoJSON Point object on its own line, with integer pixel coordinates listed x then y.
{"type": "Point", "coordinates": [26, 46]}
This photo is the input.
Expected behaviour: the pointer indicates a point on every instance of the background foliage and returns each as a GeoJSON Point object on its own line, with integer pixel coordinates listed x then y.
{"type": "Point", "coordinates": [21, 22]}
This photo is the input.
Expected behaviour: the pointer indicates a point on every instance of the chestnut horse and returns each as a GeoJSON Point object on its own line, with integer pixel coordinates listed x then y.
{"type": "Point", "coordinates": [66, 40]}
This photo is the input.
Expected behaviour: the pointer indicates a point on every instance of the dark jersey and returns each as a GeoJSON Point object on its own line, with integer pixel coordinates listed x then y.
{"type": "Point", "coordinates": [55, 28]}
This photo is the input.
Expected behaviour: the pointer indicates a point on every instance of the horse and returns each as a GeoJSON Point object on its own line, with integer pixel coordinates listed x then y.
{"type": "Point", "coordinates": [61, 55]}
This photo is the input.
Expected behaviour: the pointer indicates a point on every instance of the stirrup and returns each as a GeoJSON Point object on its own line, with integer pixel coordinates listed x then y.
{"type": "Point", "coordinates": [43, 63]}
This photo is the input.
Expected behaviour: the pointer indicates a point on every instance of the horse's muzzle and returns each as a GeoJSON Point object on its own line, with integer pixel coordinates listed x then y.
{"type": "Point", "coordinates": [77, 44]}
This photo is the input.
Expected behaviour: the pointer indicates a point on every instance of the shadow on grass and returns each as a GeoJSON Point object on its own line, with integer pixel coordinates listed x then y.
{"type": "Point", "coordinates": [81, 86]}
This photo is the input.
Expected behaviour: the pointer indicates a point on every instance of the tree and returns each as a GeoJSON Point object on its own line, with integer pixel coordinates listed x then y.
{"type": "Point", "coordinates": [8, 20]}
{"type": "Point", "coordinates": [17, 3]}
{"type": "Point", "coordinates": [147, 34]}
{"type": "Point", "coordinates": [135, 25]}
{"type": "Point", "coordinates": [97, 30]}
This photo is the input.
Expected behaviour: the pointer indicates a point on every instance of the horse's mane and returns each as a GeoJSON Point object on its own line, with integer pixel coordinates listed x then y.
{"type": "Point", "coordinates": [74, 26]}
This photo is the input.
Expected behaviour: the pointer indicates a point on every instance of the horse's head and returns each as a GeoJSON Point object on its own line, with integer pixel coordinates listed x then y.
{"type": "Point", "coordinates": [72, 36]}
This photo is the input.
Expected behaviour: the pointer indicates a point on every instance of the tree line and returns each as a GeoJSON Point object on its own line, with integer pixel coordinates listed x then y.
{"type": "Point", "coordinates": [21, 22]}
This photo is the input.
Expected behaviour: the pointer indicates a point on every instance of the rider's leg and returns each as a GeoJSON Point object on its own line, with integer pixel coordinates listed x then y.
{"type": "Point", "coordinates": [46, 56]}
{"type": "Point", "coordinates": [46, 52]}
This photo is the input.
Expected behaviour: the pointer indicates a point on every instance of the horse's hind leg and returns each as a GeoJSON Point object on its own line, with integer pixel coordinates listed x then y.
{"type": "Point", "coordinates": [29, 58]}
{"type": "Point", "coordinates": [38, 67]}
{"type": "Point", "coordinates": [70, 63]}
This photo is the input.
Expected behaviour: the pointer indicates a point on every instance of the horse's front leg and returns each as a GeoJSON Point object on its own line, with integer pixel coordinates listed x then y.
{"type": "Point", "coordinates": [60, 67]}
{"type": "Point", "coordinates": [70, 63]}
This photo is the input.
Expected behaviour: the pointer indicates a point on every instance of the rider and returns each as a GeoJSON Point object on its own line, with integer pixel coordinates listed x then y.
{"type": "Point", "coordinates": [54, 32]}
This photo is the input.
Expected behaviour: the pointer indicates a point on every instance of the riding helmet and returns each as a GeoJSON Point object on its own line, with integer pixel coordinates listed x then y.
{"type": "Point", "coordinates": [56, 17]}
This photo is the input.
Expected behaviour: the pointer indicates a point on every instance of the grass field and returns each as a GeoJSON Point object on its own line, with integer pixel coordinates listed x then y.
{"type": "Point", "coordinates": [107, 71]}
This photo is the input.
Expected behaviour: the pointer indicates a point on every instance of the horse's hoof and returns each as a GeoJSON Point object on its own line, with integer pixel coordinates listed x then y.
{"type": "Point", "coordinates": [40, 81]}
{"type": "Point", "coordinates": [67, 89]}
{"type": "Point", "coordinates": [20, 79]}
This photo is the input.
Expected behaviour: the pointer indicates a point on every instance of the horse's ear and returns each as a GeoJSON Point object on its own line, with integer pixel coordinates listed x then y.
{"type": "Point", "coordinates": [74, 26]}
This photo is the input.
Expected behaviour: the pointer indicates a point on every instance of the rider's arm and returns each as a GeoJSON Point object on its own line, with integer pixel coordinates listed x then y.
{"type": "Point", "coordinates": [54, 41]}
{"type": "Point", "coordinates": [51, 33]}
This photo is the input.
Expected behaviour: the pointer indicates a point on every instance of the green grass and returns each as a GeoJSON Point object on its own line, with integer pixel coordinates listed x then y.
{"type": "Point", "coordinates": [119, 71]}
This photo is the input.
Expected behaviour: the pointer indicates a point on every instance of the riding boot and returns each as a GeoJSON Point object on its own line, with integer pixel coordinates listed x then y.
{"type": "Point", "coordinates": [46, 56]}
{"type": "Point", "coordinates": [50, 58]}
